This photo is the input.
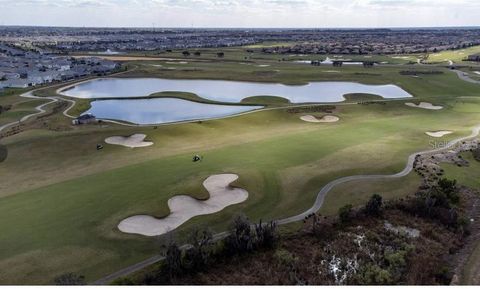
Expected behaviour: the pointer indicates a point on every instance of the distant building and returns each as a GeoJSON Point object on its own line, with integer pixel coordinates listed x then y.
{"type": "Point", "coordinates": [85, 119]}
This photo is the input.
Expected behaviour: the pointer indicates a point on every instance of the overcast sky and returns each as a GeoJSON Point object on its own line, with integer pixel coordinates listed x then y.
{"type": "Point", "coordinates": [241, 13]}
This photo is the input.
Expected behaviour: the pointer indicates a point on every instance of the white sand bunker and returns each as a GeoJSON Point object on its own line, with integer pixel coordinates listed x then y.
{"type": "Point", "coordinates": [438, 133]}
{"type": "Point", "coordinates": [183, 208]}
{"type": "Point", "coordinates": [133, 141]}
{"type": "Point", "coordinates": [425, 105]}
{"type": "Point", "coordinates": [325, 118]}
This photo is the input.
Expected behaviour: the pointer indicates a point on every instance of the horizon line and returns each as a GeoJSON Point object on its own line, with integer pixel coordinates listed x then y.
{"type": "Point", "coordinates": [254, 28]}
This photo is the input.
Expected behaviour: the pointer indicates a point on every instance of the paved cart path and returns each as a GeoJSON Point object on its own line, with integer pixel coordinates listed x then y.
{"type": "Point", "coordinates": [316, 206]}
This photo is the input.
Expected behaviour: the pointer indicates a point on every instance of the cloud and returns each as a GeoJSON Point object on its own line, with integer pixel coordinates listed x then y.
{"type": "Point", "coordinates": [242, 13]}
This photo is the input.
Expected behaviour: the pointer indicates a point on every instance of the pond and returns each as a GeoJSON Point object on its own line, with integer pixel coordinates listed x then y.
{"type": "Point", "coordinates": [229, 91]}
{"type": "Point", "coordinates": [162, 110]}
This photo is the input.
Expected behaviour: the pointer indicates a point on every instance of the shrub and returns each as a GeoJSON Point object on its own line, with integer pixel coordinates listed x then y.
{"type": "Point", "coordinates": [198, 256]}
{"type": "Point", "coordinates": [449, 188]}
{"type": "Point", "coordinates": [374, 275]}
{"type": "Point", "coordinates": [344, 213]}
{"type": "Point", "coordinates": [70, 279]}
{"type": "Point", "coordinates": [266, 234]}
{"type": "Point", "coordinates": [285, 258]}
{"type": "Point", "coordinates": [123, 281]}
{"type": "Point", "coordinates": [374, 205]}
{"type": "Point", "coordinates": [241, 239]}
{"type": "Point", "coordinates": [476, 154]}
{"type": "Point", "coordinates": [173, 259]}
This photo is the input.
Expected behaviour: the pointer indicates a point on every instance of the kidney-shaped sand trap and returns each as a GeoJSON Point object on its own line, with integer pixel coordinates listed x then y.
{"type": "Point", "coordinates": [183, 208]}
{"type": "Point", "coordinates": [438, 133]}
{"type": "Point", "coordinates": [133, 141]}
{"type": "Point", "coordinates": [325, 118]}
{"type": "Point", "coordinates": [424, 105]}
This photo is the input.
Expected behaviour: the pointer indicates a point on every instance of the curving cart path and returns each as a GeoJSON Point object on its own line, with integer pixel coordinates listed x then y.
{"type": "Point", "coordinates": [40, 108]}
{"type": "Point", "coordinates": [464, 76]}
{"type": "Point", "coordinates": [316, 206]}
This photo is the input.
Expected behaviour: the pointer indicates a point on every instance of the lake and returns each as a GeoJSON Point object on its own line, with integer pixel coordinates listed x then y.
{"type": "Point", "coordinates": [162, 110]}
{"type": "Point", "coordinates": [229, 91]}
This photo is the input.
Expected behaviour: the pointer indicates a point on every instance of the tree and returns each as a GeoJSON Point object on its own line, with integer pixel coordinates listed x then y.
{"type": "Point", "coordinates": [70, 279]}
{"type": "Point", "coordinates": [449, 188]}
{"type": "Point", "coordinates": [198, 256]}
{"type": "Point", "coordinates": [266, 234]}
{"type": "Point", "coordinates": [344, 213]}
{"type": "Point", "coordinates": [241, 239]}
{"type": "Point", "coordinates": [173, 259]}
{"type": "Point", "coordinates": [374, 205]}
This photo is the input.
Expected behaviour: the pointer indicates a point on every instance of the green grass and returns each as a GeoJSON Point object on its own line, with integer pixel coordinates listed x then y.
{"type": "Point", "coordinates": [358, 193]}
{"type": "Point", "coordinates": [362, 97]}
{"type": "Point", "coordinates": [282, 172]}
{"type": "Point", "coordinates": [81, 106]}
{"type": "Point", "coordinates": [265, 99]}
{"type": "Point", "coordinates": [20, 107]}
{"type": "Point", "coordinates": [467, 176]}
{"type": "Point", "coordinates": [456, 56]}
{"type": "Point", "coordinates": [61, 199]}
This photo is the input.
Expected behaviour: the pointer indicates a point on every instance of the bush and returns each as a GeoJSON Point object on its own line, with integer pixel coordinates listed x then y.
{"type": "Point", "coordinates": [241, 239]}
{"type": "Point", "coordinates": [374, 205]}
{"type": "Point", "coordinates": [476, 154]}
{"type": "Point", "coordinates": [344, 213]}
{"type": "Point", "coordinates": [173, 259]}
{"type": "Point", "coordinates": [197, 257]}
{"type": "Point", "coordinates": [285, 258]}
{"type": "Point", "coordinates": [266, 235]}
{"type": "Point", "coordinates": [449, 188]}
{"type": "Point", "coordinates": [374, 275]}
{"type": "Point", "coordinates": [70, 279]}
{"type": "Point", "coordinates": [123, 281]}
{"type": "Point", "coordinates": [245, 237]}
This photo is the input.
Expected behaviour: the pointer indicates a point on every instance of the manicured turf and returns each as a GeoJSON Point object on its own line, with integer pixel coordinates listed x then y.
{"type": "Point", "coordinates": [456, 56]}
{"type": "Point", "coordinates": [61, 199]}
{"type": "Point", "coordinates": [467, 176]}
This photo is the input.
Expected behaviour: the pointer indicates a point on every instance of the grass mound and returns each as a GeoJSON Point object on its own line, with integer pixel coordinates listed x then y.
{"type": "Point", "coordinates": [265, 99]}
{"type": "Point", "coordinates": [361, 97]}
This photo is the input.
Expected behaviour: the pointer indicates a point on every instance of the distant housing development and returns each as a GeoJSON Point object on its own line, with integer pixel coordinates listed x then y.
{"type": "Point", "coordinates": [317, 41]}
{"type": "Point", "coordinates": [20, 68]}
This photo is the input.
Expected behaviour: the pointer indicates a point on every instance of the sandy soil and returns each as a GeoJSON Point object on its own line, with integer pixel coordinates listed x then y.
{"type": "Point", "coordinates": [439, 133]}
{"type": "Point", "coordinates": [325, 118]}
{"type": "Point", "coordinates": [133, 141]}
{"type": "Point", "coordinates": [183, 208]}
{"type": "Point", "coordinates": [425, 105]}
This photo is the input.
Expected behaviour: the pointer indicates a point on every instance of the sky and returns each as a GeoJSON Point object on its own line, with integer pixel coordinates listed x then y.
{"type": "Point", "coordinates": [241, 13]}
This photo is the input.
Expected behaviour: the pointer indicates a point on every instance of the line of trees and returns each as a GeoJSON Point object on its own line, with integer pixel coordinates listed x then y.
{"type": "Point", "coordinates": [204, 250]}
